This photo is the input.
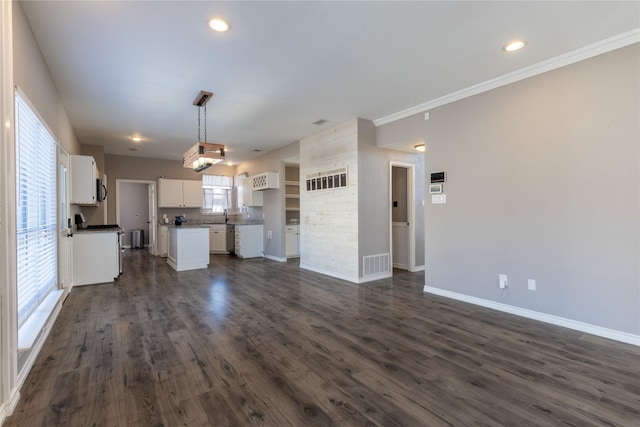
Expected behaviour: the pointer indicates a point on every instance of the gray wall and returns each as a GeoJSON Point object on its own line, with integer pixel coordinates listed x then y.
{"type": "Point", "coordinates": [273, 200]}
{"type": "Point", "coordinates": [138, 168]}
{"type": "Point", "coordinates": [543, 183]}
{"type": "Point", "coordinates": [31, 75]}
{"type": "Point", "coordinates": [373, 206]}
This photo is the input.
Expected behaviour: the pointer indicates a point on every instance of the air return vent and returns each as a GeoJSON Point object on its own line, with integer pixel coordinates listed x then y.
{"type": "Point", "coordinates": [376, 265]}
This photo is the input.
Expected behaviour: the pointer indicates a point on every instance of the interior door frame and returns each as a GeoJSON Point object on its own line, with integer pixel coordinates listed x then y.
{"type": "Point", "coordinates": [411, 210]}
{"type": "Point", "coordinates": [153, 210]}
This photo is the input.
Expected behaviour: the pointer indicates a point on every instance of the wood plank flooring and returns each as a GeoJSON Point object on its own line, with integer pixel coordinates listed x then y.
{"type": "Point", "coordinates": [255, 342]}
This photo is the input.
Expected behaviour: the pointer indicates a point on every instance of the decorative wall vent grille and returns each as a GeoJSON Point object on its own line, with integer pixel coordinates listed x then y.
{"type": "Point", "coordinates": [376, 265]}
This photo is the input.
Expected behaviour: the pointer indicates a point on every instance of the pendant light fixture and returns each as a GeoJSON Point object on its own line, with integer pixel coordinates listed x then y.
{"type": "Point", "coordinates": [203, 154]}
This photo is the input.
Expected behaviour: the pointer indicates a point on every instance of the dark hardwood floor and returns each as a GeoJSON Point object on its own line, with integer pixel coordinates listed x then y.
{"type": "Point", "coordinates": [255, 342]}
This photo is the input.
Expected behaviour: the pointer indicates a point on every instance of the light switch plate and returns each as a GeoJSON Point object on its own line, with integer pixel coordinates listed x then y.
{"type": "Point", "coordinates": [438, 198]}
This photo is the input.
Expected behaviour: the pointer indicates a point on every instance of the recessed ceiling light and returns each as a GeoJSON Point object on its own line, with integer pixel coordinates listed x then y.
{"type": "Point", "coordinates": [420, 147]}
{"type": "Point", "coordinates": [219, 24]}
{"type": "Point", "coordinates": [136, 138]}
{"type": "Point", "coordinates": [320, 122]}
{"type": "Point", "coordinates": [514, 45]}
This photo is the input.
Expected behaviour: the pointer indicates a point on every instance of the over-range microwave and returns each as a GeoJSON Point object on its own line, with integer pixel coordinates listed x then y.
{"type": "Point", "coordinates": [101, 191]}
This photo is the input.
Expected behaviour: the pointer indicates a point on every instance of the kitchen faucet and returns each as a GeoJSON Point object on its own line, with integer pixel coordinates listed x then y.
{"type": "Point", "coordinates": [226, 217]}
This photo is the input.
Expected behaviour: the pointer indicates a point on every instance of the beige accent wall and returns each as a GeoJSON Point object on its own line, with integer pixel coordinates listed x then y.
{"type": "Point", "coordinates": [543, 182]}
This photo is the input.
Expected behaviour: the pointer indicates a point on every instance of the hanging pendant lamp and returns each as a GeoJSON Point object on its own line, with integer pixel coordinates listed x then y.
{"type": "Point", "coordinates": [203, 154]}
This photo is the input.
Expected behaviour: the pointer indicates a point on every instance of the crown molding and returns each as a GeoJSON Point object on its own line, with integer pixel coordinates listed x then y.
{"type": "Point", "coordinates": [586, 52]}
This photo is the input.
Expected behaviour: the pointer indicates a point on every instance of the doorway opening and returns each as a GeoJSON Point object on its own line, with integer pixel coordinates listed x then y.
{"type": "Point", "coordinates": [402, 215]}
{"type": "Point", "coordinates": [136, 210]}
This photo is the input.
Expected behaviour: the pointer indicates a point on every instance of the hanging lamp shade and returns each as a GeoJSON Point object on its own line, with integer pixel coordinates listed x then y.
{"type": "Point", "coordinates": [203, 154]}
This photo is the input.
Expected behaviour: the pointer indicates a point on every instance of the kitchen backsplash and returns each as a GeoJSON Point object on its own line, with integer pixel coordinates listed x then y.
{"type": "Point", "coordinates": [195, 216]}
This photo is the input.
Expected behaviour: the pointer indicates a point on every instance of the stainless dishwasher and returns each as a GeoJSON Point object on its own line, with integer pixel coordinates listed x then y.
{"type": "Point", "coordinates": [231, 239]}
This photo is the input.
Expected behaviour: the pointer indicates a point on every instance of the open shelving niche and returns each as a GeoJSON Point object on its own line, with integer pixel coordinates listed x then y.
{"type": "Point", "coordinates": [292, 194]}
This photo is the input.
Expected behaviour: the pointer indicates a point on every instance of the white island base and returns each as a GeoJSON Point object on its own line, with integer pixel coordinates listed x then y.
{"type": "Point", "coordinates": [188, 247]}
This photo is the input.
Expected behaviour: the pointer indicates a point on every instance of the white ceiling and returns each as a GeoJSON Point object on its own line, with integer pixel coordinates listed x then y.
{"type": "Point", "coordinates": [127, 67]}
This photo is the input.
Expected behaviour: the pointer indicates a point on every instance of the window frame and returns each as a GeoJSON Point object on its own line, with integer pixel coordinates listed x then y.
{"type": "Point", "coordinates": [36, 210]}
{"type": "Point", "coordinates": [212, 184]}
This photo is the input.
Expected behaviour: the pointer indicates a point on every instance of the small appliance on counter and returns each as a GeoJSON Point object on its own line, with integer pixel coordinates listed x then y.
{"type": "Point", "coordinates": [80, 220]}
{"type": "Point", "coordinates": [180, 220]}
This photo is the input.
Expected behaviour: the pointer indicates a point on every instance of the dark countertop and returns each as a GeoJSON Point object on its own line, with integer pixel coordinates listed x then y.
{"type": "Point", "coordinates": [206, 224]}
{"type": "Point", "coordinates": [99, 230]}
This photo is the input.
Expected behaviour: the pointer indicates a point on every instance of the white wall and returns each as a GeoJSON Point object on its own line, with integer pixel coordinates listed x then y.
{"type": "Point", "coordinates": [329, 218]}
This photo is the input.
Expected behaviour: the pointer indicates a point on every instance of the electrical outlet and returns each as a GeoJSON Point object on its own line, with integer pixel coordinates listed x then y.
{"type": "Point", "coordinates": [531, 283]}
{"type": "Point", "coordinates": [502, 281]}
{"type": "Point", "coordinates": [269, 234]}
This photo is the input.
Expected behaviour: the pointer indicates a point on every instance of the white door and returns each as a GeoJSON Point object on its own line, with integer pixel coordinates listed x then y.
{"type": "Point", "coordinates": [152, 219]}
{"type": "Point", "coordinates": [402, 229]}
{"type": "Point", "coordinates": [64, 222]}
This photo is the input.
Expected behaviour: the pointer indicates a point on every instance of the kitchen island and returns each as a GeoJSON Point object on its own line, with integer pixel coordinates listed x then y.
{"type": "Point", "coordinates": [188, 247]}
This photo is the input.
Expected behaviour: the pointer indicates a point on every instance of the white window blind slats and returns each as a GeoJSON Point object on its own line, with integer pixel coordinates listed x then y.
{"type": "Point", "coordinates": [36, 217]}
{"type": "Point", "coordinates": [216, 193]}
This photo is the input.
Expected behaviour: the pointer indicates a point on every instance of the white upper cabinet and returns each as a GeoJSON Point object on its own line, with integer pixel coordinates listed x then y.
{"type": "Point", "coordinates": [177, 193]}
{"type": "Point", "coordinates": [84, 173]}
{"type": "Point", "coordinates": [265, 181]}
{"type": "Point", "coordinates": [192, 193]}
{"type": "Point", "coordinates": [247, 196]}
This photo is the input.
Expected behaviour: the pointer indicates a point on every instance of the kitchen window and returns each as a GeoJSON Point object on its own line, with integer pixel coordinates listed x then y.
{"type": "Point", "coordinates": [36, 218]}
{"type": "Point", "coordinates": [216, 193]}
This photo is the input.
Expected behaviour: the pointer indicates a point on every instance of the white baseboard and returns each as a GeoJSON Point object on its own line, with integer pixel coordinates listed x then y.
{"type": "Point", "coordinates": [275, 258]}
{"type": "Point", "coordinates": [406, 267]}
{"type": "Point", "coordinates": [543, 317]}
{"type": "Point", "coordinates": [356, 280]}
{"type": "Point", "coordinates": [329, 273]}
{"type": "Point", "coordinates": [373, 277]}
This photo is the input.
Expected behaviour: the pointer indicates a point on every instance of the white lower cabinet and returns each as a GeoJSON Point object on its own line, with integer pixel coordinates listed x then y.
{"type": "Point", "coordinates": [292, 241]}
{"type": "Point", "coordinates": [163, 241]}
{"type": "Point", "coordinates": [218, 239]}
{"type": "Point", "coordinates": [96, 257]}
{"type": "Point", "coordinates": [248, 241]}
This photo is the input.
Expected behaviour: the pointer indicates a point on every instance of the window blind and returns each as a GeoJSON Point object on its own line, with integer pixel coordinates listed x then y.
{"type": "Point", "coordinates": [216, 193]}
{"type": "Point", "coordinates": [37, 255]}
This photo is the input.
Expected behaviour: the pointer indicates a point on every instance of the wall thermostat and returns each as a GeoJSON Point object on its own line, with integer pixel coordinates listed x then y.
{"type": "Point", "coordinates": [435, 188]}
{"type": "Point", "coordinates": [438, 177]}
